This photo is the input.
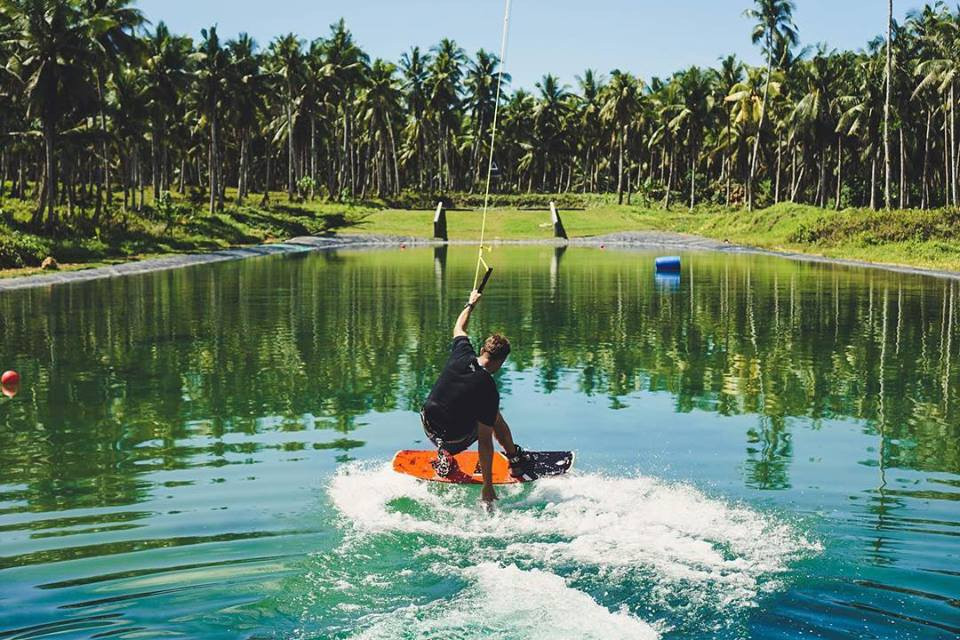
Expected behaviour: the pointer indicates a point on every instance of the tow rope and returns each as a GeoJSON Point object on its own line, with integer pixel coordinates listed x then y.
{"type": "Point", "coordinates": [493, 140]}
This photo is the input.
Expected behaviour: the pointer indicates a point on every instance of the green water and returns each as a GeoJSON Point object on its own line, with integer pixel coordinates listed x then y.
{"type": "Point", "coordinates": [766, 449]}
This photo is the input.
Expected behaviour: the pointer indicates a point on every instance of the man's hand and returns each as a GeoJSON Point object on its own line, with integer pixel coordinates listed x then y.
{"type": "Point", "coordinates": [460, 328]}
{"type": "Point", "coordinates": [488, 495]}
{"type": "Point", "coordinates": [485, 454]}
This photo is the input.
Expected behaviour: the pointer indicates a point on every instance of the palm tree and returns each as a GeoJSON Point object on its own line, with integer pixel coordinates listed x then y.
{"type": "Point", "coordinates": [517, 138]}
{"type": "Point", "coordinates": [166, 70]}
{"type": "Point", "coordinates": [286, 58]}
{"type": "Point", "coordinates": [481, 89]}
{"type": "Point", "coordinates": [9, 116]}
{"type": "Point", "coordinates": [815, 114]}
{"type": "Point", "coordinates": [664, 99]}
{"type": "Point", "coordinates": [619, 107]}
{"type": "Point", "coordinates": [548, 117]}
{"type": "Point", "coordinates": [692, 116]}
{"type": "Point", "coordinates": [380, 108]}
{"type": "Point", "coordinates": [775, 29]}
{"type": "Point", "coordinates": [861, 116]}
{"type": "Point", "coordinates": [246, 85]}
{"type": "Point", "coordinates": [924, 27]}
{"type": "Point", "coordinates": [940, 71]}
{"type": "Point", "coordinates": [113, 24]}
{"type": "Point", "coordinates": [50, 64]}
{"type": "Point", "coordinates": [443, 103]}
{"type": "Point", "coordinates": [413, 66]}
{"type": "Point", "coordinates": [212, 71]}
{"type": "Point", "coordinates": [316, 105]}
{"type": "Point", "coordinates": [589, 105]}
{"type": "Point", "coordinates": [726, 78]}
{"type": "Point", "coordinates": [746, 99]}
{"type": "Point", "coordinates": [886, 106]}
{"type": "Point", "coordinates": [130, 113]}
{"type": "Point", "coordinates": [347, 66]}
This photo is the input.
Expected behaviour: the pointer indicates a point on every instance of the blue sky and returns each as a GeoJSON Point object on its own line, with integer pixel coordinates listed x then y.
{"type": "Point", "coordinates": [564, 37]}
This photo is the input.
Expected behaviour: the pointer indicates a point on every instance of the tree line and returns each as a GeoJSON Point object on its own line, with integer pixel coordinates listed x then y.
{"type": "Point", "coordinates": [98, 108]}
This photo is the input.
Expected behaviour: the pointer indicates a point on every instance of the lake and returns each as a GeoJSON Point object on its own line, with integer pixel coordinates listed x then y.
{"type": "Point", "coordinates": [765, 449]}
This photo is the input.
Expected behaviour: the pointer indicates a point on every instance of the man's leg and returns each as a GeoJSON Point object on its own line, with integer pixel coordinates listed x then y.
{"type": "Point", "coordinates": [520, 464]}
{"type": "Point", "coordinates": [502, 432]}
{"type": "Point", "coordinates": [445, 464]}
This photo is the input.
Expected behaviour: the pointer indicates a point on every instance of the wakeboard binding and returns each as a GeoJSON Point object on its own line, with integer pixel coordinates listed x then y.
{"type": "Point", "coordinates": [445, 464]}
{"type": "Point", "coordinates": [522, 465]}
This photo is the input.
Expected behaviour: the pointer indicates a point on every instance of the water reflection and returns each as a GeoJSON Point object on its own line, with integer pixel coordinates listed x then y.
{"type": "Point", "coordinates": [667, 282]}
{"type": "Point", "coordinates": [113, 390]}
{"type": "Point", "coordinates": [555, 259]}
{"type": "Point", "coordinates": [440, 268]}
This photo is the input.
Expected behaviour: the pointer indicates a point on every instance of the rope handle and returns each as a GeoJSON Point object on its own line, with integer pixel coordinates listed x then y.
{"type": "Point", "coordinates": [486, 277]}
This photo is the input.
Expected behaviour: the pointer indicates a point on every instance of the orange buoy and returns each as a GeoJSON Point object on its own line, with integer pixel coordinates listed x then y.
{"type": "Point", "coordinates": [10, 379]}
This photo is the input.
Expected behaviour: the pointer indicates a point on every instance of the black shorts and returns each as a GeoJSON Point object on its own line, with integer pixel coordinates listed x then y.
{"type": "Point", "coordinates": [455, 444]}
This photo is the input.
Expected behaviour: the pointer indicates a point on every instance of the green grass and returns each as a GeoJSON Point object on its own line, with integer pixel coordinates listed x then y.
{"type": "Point", "coordinates": [928, 239]}
{"type": "Point", "coordinates": [137, 235]}
{"type": "Point", "coordinates": [504, 224]}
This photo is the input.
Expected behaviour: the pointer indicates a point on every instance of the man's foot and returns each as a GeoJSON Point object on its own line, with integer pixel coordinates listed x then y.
{"type": "Point", "coordinates": [521, 465]}
{"type": "Point", "coordinates": [445, 464]}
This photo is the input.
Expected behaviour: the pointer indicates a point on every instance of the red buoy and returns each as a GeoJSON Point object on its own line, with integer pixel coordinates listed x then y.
{"type": "Point", "coordinates": [10, 379]}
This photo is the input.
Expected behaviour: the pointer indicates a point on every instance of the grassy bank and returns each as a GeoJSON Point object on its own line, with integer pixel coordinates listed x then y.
{"type": "Point", "coordinates": [929, 239]}
{"type": "Point", "coordinates": [178, 227]}
{"type": "Point", "coordinates": [916, 238]}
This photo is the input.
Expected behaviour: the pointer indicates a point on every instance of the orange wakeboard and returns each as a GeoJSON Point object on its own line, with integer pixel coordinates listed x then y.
{"type": "Point", "coordinates": [419, 464]}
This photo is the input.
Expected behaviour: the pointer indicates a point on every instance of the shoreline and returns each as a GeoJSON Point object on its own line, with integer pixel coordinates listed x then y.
{"type": "Point", "coordinates": [301, 244]}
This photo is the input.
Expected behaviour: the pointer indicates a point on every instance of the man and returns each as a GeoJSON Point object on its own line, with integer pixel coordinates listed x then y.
{"type": "Point", "coordinates": [464, 406]}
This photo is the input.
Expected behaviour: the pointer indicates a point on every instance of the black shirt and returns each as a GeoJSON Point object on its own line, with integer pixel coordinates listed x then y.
{"type": "Point", "coordinates": [464, 394]}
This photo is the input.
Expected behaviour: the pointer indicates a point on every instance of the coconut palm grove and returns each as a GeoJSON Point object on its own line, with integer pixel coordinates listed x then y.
{"type": "Point", "coordinates": [109, 122]}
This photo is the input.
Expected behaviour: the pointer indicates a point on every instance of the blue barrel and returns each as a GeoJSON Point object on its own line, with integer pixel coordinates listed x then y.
{"type": "Point", "coordinates": [668, 264]}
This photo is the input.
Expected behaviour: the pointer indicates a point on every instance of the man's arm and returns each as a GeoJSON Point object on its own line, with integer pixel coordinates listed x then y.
{"type": "Point", "coordinates": [460, 329]}
{"type": "Point", "coordinates": [485, 446]}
